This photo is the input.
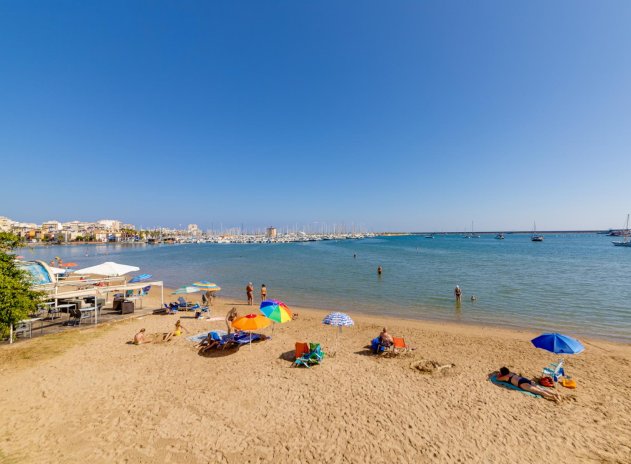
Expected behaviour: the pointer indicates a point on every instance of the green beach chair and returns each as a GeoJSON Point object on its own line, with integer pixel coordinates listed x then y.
{"type": "Point", "coordinates": [312, 358]}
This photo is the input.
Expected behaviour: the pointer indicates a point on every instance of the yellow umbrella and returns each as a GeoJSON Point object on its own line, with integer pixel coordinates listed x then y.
{"type": "Point", "coordinates": [251, 322]}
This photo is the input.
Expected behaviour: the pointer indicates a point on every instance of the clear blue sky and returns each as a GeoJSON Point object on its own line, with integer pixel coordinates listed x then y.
{"type": "Point", "coordinates": [405, 115]}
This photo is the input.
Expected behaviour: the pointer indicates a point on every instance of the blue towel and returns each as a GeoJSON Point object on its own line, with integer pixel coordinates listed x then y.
{"type": "Point", "coordinates": [493, 379]}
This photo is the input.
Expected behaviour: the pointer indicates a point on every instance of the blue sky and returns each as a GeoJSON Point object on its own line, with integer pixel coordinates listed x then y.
{"type": "Point", "coordinates": [409, 115]}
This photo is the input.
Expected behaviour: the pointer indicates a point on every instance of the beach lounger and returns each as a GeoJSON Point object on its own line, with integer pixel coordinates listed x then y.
{"type": "Point", "coordinates": [183, 304]}
{"type": "Point", "coordinates": [302, 348]}
{"type": "Point", "coordinates": [312, 358]}
{"type": "Point", "coordinates": [399, 345]}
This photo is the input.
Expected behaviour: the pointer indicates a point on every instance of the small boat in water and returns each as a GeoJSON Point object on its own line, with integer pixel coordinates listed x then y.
{"type": "Point", "coordinates": [429, 236]}
{"type": "Point", "coordinates": [535, 237]}
{"type": "Point", "coordinates": [625, 241]}
{"type": "Point", "coordinates": [500, 236]}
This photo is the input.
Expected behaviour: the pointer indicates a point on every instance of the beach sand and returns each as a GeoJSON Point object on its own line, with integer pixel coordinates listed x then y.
{"type": "Point", "coordinates": [89, 396]}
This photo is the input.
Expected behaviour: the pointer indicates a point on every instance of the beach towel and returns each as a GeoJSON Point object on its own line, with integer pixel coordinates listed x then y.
{"type": "Point", "coordinates": [510, 386]}
{"type": "Point", "coordinates": [200, 336]}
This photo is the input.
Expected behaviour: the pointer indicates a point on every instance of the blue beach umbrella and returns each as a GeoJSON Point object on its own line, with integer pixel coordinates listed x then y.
{"type": "Point", "coordinates": [339, 320]}
{"type": "Point", "coordinates": [558, 343]}
{"type": "Point", "coordinates": [140, 278]}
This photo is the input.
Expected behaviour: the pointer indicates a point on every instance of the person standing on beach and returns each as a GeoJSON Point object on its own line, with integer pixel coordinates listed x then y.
{"type": "Point", "coordinates": [263, 292]}
{"type": "Point", "coordinates": [249, 291]}
{"type": "Point", "coordinates": [230, 317]}
{"type": "Point", "coordinates": [458, 293]}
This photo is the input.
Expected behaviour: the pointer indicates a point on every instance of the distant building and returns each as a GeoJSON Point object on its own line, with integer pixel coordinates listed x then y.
{"type": "Point", "coordinates": [5, 224]}
{"type": "Point", "coordinates": [193, 229]}
{"type": "Point", "coordinates": [270, 232]}
{"type": "Point", "coordinates": [110, 224]}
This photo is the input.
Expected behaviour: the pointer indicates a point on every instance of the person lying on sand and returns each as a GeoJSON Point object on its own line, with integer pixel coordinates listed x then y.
{"type": "Point", "coordinates": [177, 331]}
{"type": "Point", "coordinates": [505, 375]}
{"type": "Point", "coordinates": [139, 338]}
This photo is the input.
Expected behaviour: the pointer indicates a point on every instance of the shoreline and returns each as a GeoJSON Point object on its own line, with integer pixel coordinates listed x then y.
{"type": "Point", "coordinates": [521, 333]}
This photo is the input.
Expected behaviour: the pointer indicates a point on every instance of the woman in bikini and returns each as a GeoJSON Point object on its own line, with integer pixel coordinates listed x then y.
{"type": "Point", "coordinates": [505, 375]}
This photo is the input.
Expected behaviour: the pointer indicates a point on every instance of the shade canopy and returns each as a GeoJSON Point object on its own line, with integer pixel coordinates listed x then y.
{"type": "Point", "coordinates": [276, 310]}
{"type": "Point", "coordinates": [109, 269]}
{"type": "Point", "coordinates": [251, 322]}
{"type": "Point", "coordinates": [558, 343]}
{"type": "Point", "coordinates": [187, 289]}
{"type": "Point", "coordinates": [338, 319]}
{"type": "Point", "coordinates": [140, 278]}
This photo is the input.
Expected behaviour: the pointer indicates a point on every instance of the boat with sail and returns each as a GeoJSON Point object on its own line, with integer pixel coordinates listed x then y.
{"type": "Point", "coordinates": [625, 237]}
{"type": "Point", "coordinates": [535, 237]}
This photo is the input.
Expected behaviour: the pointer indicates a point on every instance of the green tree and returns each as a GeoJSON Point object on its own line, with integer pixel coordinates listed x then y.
{"type": "Point", "coordinates": [17, 299]}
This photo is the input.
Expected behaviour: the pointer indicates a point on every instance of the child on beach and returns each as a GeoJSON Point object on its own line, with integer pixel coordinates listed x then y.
{"type": "Point", "coordinates": [263, 292]}
{"type": "Point", "coordinates": [177, 331]}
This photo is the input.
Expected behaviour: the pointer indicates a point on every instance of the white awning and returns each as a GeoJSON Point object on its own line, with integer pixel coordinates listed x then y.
{"type": "Point", "coordinates": [108, 269]}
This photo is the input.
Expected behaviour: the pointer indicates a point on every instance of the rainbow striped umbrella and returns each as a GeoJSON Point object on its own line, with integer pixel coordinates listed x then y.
{"type": "Point", "coordinates": [208, 286]}
{"type": "Point", "coordinates": [276, 310]}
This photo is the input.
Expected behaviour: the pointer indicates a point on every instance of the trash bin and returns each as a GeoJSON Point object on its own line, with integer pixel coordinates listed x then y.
{"type": "Point", "coordinates": [127, 307]}
{"type": "Point", "coordinates": [116, 304]}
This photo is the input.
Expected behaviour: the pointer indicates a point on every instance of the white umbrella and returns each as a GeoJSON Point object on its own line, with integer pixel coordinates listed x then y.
{"type": "Point", "coordinates": [109, 269]}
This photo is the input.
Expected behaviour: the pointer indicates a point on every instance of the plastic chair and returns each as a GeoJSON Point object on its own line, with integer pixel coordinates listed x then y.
{"type": "Point", "coordinates": [314, 357]}
{"type": "Point", "coordinates": [554, 370]}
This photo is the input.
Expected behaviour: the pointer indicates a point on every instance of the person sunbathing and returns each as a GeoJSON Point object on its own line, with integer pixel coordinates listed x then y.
{"type": "Point", "coordinates": [505, 375]}
{"type": "Point", "coordinates": [176, 332]}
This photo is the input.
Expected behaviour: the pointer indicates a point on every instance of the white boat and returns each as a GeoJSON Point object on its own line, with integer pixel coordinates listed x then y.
{"type": "Point", "coordinates": [625, 241]}
{"type": "Point", "coordinates": [500, 236]}
{"type": "Point", "coordinates": [535, 237]}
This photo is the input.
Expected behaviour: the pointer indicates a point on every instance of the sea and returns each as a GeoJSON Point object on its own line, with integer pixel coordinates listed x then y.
{"type": "Point", "coordinates": [579, 284]}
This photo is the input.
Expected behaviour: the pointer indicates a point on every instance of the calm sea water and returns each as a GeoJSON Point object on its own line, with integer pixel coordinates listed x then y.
{"type": "Point", "coordinates": [575, 283]}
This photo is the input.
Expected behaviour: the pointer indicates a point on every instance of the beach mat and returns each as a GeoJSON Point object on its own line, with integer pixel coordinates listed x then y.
{"type": "Point", "coordinates": [510, 386]}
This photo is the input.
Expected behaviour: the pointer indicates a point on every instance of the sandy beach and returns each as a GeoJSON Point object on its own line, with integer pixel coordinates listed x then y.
{"type": "Point", "coordinates": [89, 396]}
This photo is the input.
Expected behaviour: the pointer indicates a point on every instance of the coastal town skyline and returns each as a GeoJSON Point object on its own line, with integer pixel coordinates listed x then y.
{"type": "Point", "coordinates": [103, 230]}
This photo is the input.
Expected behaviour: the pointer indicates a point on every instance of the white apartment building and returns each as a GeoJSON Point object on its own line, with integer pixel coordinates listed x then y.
{"type": "Point", "coordinates": [110, 224]}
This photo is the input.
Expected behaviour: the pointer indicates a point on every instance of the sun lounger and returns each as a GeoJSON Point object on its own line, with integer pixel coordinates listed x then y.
{"type": "Point", "coordinates": [312, 358]}
{"type": "Point", "coordinates": [302, 348]}
{"type": "Point", "coordinates": [399, 345]}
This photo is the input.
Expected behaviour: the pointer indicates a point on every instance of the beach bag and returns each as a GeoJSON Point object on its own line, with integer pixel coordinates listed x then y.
{"type": "Point", "coordinates": [546, 382]}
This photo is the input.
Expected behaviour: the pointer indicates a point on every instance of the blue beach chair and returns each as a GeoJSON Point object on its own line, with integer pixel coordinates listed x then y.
{"type": "Point", "coordinates": [313, 358]}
